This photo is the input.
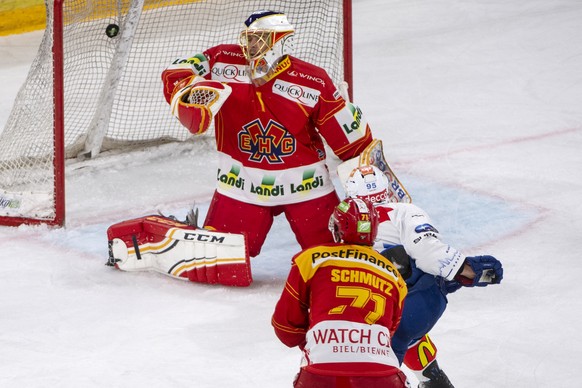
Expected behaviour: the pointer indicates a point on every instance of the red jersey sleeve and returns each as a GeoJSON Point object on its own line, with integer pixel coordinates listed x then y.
{"type": "Point", "coordinates": [341, 123]}
{"type": "Point", "coordinates": [291, 317]}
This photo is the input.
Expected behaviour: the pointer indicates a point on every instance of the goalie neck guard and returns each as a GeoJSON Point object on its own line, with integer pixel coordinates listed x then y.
{"type": "Point", "coordinates": [266, 39]}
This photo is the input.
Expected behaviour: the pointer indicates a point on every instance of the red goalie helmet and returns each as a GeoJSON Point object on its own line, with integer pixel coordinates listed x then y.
{"type": "Point", "coordinates": [354, 221]}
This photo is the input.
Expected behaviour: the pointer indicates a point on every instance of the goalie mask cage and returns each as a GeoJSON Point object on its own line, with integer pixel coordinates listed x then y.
{"type": "Point", "coordinates": [95, 83]}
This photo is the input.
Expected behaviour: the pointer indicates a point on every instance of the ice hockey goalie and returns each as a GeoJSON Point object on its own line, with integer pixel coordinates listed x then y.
{"type": "Point", "coordinates": [173, 248]}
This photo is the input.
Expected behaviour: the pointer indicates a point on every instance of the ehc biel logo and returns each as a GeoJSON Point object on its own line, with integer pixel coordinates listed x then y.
{"type": "Point", "coordinates": [270, 143]}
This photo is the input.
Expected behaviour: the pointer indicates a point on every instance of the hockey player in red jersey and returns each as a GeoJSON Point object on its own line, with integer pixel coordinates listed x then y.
{"type": "Point", "coordinates": [341, 305]}
{"type": "Point", "coordinates": [432, 269]}
{"type": "Point", "coordinates": [272, 112]}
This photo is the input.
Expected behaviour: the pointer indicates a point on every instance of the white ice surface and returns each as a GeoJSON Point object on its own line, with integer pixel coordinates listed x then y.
{"type": "Point", "coordinates": [479, 105]}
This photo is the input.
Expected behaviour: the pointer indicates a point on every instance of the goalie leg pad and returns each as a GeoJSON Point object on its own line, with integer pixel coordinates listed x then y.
{"type": "Point", "coordinates": [161, 244]}
{"type": "Point", "coordinates": [373, 155]}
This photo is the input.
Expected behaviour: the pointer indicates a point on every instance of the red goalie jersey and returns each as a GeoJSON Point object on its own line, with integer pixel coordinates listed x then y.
{"type": "Point", "coordinates": [341, 304]}
{"type": "Point", "coordinates": [270, 136]}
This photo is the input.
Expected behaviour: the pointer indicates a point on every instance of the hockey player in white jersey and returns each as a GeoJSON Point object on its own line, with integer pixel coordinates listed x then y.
{"type": "Point", "coordinates": [432, 269]}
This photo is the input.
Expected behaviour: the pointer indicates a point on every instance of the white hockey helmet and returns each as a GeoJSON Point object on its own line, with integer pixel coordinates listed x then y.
{"type": "Point", "coordinates": [368, 182]}
{"type": "Point", "coordinates": [267, 37]}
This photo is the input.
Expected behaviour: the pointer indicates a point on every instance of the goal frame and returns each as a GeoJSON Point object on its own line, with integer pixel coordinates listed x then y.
{"type": "Point", "coordinates": [59, 114]}
{"type": "Point", "coordinates": [58, 129]}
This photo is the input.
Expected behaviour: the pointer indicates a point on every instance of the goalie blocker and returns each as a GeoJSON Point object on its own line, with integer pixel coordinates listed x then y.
{"type": "Point", "coordinates": [161, 244]}
{"type": "Point", "coordinates": [373, 155]}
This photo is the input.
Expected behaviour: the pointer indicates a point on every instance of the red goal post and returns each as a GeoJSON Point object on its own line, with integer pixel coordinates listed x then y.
{"type": "Point", "coordinates": [95, 83]}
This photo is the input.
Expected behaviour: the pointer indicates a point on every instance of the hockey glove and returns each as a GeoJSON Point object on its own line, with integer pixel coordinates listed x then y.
{"type": "Point", "coordinates": [450, 286]}
{"type": "Point", "coordinates": [398, 256]}
{"type": "Point", "coordinates": [195, 101]}
{"type": "Point", "coordinates": [173, 75]}
{"type": "Point", "coordinates": [488, 270]}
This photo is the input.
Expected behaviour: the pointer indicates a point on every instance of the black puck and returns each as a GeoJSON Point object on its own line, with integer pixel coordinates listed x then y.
{"type": "Point", "coordinates": [112, 30]}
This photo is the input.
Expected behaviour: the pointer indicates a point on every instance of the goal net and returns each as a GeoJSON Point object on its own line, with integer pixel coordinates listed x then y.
{"type": "Point", "coordinates": [99, 88]}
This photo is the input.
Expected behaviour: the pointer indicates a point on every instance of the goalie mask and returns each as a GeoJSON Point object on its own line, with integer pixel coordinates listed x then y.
{"type": "Point", "coordinates": [368, 182]}
{"type": "Point", "coordinates": [267, 38]}
{"type": "Point", "coordinates": [354, 221]}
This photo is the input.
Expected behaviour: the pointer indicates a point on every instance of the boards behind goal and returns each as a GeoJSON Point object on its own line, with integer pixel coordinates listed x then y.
{"type": "Point", "coordinates": [95, 83]}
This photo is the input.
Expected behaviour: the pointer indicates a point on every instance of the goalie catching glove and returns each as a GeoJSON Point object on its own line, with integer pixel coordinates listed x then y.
{"type": "Point", "coordinates": [194, 100]}
{"type": "Point", "coordinates": [179, 250]}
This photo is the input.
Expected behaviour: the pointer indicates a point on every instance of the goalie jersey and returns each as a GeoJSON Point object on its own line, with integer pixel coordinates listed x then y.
{"type": "Point", "coordinates": [270, 137]}
{"type": "Point", "coordinates": [341, 305]}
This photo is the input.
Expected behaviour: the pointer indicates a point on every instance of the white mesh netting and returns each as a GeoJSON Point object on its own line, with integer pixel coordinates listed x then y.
{"type": "Point", "coordinates": [112, 86]}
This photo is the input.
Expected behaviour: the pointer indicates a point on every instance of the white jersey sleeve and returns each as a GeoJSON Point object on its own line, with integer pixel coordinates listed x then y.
{"type": "Point", "coordinates": [408, 225]}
